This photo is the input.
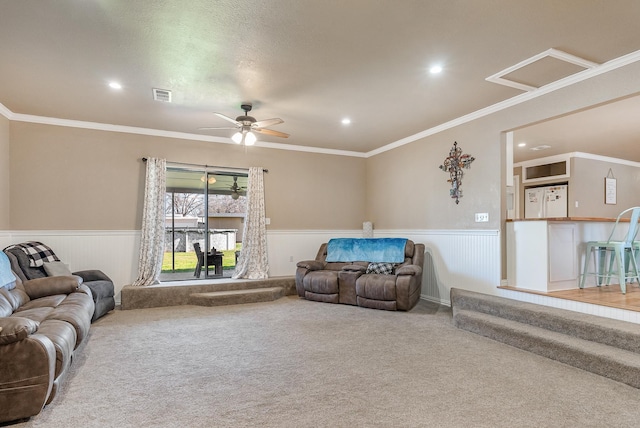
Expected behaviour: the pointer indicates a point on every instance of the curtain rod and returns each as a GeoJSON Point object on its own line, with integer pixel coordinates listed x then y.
{"type": "Point", "coordinates": [209, 166]}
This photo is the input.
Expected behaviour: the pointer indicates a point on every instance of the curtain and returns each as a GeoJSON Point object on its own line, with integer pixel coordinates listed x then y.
{"type": "Point", "coordinates": [253, 263]}
{"type": "Point", "coordinates": [152, 244]}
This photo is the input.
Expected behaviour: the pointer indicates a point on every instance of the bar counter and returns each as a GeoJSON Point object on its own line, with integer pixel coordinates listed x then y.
{"type": "Point", "coordinates": [548, 254]}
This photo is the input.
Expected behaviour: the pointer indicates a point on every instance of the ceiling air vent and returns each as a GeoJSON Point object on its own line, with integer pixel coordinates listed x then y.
{"type": "Point", "coordinates": [162, 95]}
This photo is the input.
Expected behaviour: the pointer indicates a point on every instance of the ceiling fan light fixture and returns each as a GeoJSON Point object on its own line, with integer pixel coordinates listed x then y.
{"type": "Point", "coordinates": [235, 195]}
{"type": "Point", "coordinates": [250, 139]}
{"type": "Point", "coordinates": [237, 137]}
{"type": "Point", "coordinates": [211, 179]}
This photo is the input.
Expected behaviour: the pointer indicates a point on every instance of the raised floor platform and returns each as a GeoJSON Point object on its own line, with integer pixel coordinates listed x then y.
{"type": "Point", "coordinates": [193, 292]}
{"type": "Point", "coordinates": [605, 301]}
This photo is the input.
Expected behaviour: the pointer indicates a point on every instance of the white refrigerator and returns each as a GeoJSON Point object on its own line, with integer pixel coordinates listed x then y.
{"type": "Point", "coordinates": [546, 202]}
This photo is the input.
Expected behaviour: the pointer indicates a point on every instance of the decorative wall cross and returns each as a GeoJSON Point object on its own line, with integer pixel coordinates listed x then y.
{"type": "Point", "coordinates": [453, 164]}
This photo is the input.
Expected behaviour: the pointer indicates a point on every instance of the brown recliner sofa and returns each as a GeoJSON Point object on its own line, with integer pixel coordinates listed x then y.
{"type": "Point", "coordinates": [42, 323]}
{"type": "Point", "coordinates": [349, 282]}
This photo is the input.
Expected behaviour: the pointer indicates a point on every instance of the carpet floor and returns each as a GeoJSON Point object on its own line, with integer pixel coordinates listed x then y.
{"type": "Point", "coordinates": [296, 363]}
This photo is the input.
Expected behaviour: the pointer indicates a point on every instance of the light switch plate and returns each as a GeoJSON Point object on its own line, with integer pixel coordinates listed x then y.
{"type": "Point", "coordinates": [482, 217]}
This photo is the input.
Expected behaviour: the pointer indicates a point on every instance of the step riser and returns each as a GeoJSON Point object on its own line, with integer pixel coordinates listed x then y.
{"type": "Point", "coordinates": [236, 299]}
{"type": "Point", "coordinates": [538, 344]}
{"type": "Point", "coordinates": [608, 332]}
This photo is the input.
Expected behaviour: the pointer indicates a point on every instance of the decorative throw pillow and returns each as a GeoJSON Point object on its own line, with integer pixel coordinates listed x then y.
{"type": "Point", "coordinates": [56, 269]}
{"type": "Point", "coordinates": [381, 268]}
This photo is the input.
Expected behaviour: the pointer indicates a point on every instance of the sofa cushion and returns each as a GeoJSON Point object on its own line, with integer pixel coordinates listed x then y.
{"type": "Point", "coordinates": [35, 314]}
{"type": "Point", "coordinates": [6, 308]}
{"type": "Point", "coordinates": [23, 264]}
{"type": "Point", "coordinates": [63, 336]}
{"type": "Point", "coordinates": [43, 302]}
{"type": "Point", "coordinates": [322, 282]}
{"type": "Point", "coordinates": [376, 287]}
{"type": "Point", "coordinates": [56, 269]}
{"type": "Point", "coordinates": [50, 286]}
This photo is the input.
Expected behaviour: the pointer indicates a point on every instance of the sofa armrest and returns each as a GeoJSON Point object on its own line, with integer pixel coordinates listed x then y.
{"type": "Point", "coordinates": [15, 329]}
{"type": "Point", "coordinates": [311, 264]}
{"type": "Point", "coordinates": [354, 268]}
{"type": "Point", "coordinates": [409, 270]}
{"type": "Point", "coordinates": [51, 285]}
{"type": "Point", "coordinates": [92, 275]}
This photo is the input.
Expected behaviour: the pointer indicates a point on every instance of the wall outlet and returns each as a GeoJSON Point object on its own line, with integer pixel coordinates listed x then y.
{"type": "Point", "coordinates": [482, 217]}
{"type": "Point", "coordinates": [291, 258]}
{"type": "Point", "coordinates": [267, 220]}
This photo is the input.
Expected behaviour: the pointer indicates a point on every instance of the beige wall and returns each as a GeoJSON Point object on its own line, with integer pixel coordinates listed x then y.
{"type": "Point", "coordinates": [405, 188]}
{"type": "Point", "coordinates": [4, 173]}
{"type": "Point", "coordinates": [587, 187]}
{"type": "Point", "coordinates": [67, 178]}
{"type": "Point", "coordinates": [78, 179]}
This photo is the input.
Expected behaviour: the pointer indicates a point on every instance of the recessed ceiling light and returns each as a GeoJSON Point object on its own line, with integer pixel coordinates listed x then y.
{"type": "Point", "coordinates": [435, 69]}
{"type": "Point", "coordinates": [522, 144]}
{"type": "Point", "coordinates": [346, 121]}
{"type": "Point", "coordinates": [115, 85]}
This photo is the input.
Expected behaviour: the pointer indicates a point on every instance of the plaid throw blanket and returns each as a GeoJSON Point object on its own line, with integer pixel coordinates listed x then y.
{"type": "Point", "coordinates": [38, 253]}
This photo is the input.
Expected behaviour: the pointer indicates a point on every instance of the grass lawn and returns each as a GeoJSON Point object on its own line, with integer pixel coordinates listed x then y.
{"type": "Point", "coordinates": [187, 261]}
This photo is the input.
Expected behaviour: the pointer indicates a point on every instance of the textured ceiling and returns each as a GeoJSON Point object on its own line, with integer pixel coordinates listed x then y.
{"type": "Point", "coordinates": [310, 63]}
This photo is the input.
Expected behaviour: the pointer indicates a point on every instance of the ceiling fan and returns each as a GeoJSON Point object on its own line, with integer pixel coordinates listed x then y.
{"type": "Point", "coordinates": [248, 125]}
{"type": "Point", "coordinates": [235, 189]}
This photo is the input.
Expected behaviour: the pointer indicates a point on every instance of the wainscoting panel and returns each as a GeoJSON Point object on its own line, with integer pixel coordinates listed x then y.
{"type": "Point", "coordinates": [288, 247]}
{"type": "Point", "coordinates": [468, 259]}
{"type": "Point", "coordinates": [114, 252]}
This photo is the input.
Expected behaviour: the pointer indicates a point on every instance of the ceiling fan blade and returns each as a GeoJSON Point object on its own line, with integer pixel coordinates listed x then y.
{"type": "Point", "coordinates": [271, 132]}
{"type": "Point", "coordinates": [224, 127]}
{"type": "Point", "coordinates": [222, 116]}
{"type": "Point", "coordinates": [267, 122]}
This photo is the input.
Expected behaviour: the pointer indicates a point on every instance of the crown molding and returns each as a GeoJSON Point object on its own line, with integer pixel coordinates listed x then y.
{"type": "Point", "coordinates": [518, 99]}
{"type": "Point", "coordinates": [18, 117]}
{"type": "Point", "coordinates": [5, 111]}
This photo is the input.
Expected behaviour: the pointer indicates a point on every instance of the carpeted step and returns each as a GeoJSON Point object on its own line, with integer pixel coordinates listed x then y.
{"type": "Point", "coordinates": [619, 334]}
{"type": "Point", "coordinates": [611, 362]}
{"type": "Point", "coordinates": [236, 297]}
{"type": "Point", "coordinates": [179, 293]}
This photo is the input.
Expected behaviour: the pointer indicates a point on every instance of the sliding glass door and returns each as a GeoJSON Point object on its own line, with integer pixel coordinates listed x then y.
{"type": "Point", "coordinates": [204, 219]}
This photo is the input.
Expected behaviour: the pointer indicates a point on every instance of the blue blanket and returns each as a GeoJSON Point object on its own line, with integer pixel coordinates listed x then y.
{"type": "Point", "coordinates": [6, 276]}
{"type": "Point", "coordinates": [388, 250]}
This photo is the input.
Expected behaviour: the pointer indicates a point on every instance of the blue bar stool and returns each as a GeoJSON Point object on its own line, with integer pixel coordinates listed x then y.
{"type": "Point", "coordinates": [623, 253]}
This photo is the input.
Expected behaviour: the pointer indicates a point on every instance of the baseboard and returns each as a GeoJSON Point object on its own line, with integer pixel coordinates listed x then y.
{"type": "Point", "coordinates": [435, 300]}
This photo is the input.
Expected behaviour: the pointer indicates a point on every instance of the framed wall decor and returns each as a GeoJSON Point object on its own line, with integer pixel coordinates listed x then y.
{"type": "Point", "coordinates": [610, 191]}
